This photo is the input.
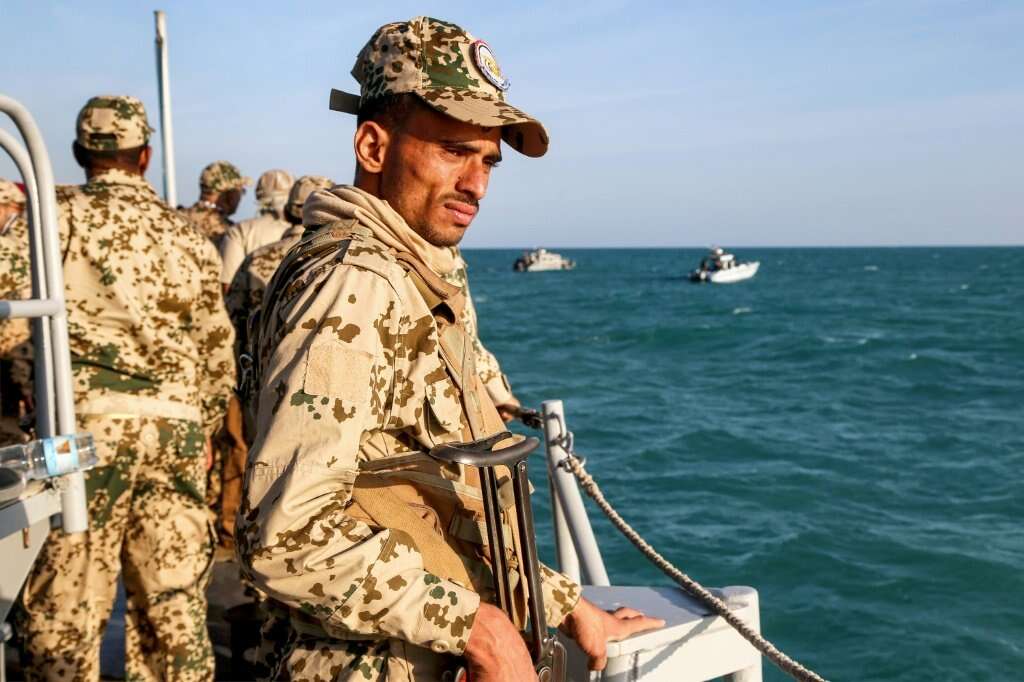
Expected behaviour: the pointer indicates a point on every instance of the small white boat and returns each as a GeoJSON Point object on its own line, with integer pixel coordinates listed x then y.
{"type": "Point", "coordinates": [541, 259]}
{"type": "Point", "coordinates": [720, 267]}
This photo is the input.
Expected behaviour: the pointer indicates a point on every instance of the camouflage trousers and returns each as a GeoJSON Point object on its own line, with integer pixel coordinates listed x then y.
{"type": "Point", "coordinates": [148, 522]}
{"type": "Point", "coordinates": [285, 654]}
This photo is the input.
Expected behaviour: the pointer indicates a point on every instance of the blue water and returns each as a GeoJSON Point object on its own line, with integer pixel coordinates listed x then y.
{"type": "Point", "coordinates": [845, 432]}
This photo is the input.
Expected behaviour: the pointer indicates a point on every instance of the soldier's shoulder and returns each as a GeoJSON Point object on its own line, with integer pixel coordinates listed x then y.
{"type": "Point", "coordinates": [366, 251]}
{"type": "Point", "coordinates": [340, 248]}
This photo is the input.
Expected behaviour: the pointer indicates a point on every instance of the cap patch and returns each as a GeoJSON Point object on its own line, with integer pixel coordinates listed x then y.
{"type": "Point", "coordinates": [488, 65]}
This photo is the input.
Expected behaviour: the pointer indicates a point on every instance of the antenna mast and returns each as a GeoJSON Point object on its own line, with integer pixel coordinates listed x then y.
{"type": "Point", "coordinates": [166, 131]}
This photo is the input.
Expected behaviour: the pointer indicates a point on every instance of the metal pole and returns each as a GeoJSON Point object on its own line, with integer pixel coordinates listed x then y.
{"type": "Point", "coordinates": [569, 497]}
{"type": "Point", "coordinates": [166, 129]}
{"type": "Point", "coordinates": [568, 562]}
{"type": "Point", "coordinates": [46, 415]}
{"type": "Point", "coordinates": [74, 516]}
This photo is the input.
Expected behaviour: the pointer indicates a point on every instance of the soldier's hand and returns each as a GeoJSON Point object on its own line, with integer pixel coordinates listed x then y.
{"type": "Point", "coordinates": [508, 412]}
{"type": "Point", "coordinates": [593, 628]}
{"type": "Point", "coordinates": [496, 651]}
{"type": "Point", "coordinates": [208, 451]}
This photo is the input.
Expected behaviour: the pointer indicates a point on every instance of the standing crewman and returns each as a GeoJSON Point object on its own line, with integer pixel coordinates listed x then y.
{"type": "Point", "coordinates": [245, 292]}
{"type": "Point", "coordinates": [221, 186]}
{"type": "Point", "coordinates": [240, 240]}
{"type": "Point", "coordinates": [363, 364]}
{"type": "Point", "coordinates": [152, 363]}
{"type": "Point", "coordinates": [242, 298]}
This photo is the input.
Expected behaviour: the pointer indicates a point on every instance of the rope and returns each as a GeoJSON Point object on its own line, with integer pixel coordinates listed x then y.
{"type": "Point", "coordinates": [573, 463]}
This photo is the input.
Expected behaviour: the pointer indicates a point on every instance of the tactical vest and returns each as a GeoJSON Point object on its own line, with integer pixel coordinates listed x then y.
{"type": "Point", "coordinates": [437, 507]}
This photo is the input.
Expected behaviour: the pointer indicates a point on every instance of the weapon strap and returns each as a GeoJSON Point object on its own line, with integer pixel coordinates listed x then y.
{"type": "Point", "coordinates": [387, 510]}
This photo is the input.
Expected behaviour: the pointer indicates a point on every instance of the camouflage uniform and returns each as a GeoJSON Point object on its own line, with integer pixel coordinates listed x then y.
{"type": "Point", "coordinates": [219, 176]}
{"type": "Point", "coordinates": [151, 357]}
{"type": "Point", "coordinates": [487, 366]}
{"type": "Point", "coordinates": [365, 362]}
{"type": "Point", "coordinates": [12, 332]}
{"type": "Point", "coordinates": [269, 226]}
{"type": "Point", "coordinates": [354, 377]}
{"type": "Point", "coordinates": [246, 291]}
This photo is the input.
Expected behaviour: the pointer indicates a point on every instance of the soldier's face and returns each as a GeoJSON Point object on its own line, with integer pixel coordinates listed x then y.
{"type": "Point", "coordinates": [436, 171]}
{"type": "Point", "coordinates": [228, 201]}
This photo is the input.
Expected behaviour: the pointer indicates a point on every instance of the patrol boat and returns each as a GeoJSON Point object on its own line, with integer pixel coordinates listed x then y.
{"type": "Point", "coordinates": [720, 267]}
{"type": "Point", "coordinates": [541, 259]}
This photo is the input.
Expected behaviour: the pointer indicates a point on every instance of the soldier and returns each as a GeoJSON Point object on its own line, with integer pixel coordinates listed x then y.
{"type": "Point", "coordinates": [151, 357]}
{"type": "Point", "coordinates": [243, 297]}
{"type": "Point", "coordinates": [245, 292]}
{"type": "Point", "coordinates": [14, 401]}
{"type": "Point", "coordinates": [240, 240]}
{"type": "Point", "coordinates": [360, 372]}
{"type": "Point", "coordinates": [221, 186]}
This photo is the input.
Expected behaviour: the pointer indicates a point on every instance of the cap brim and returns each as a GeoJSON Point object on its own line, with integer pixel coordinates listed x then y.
{"type": "Point", "coordinates": [345, 102]}
{"type": "Point", "coordinates": [520, 131]}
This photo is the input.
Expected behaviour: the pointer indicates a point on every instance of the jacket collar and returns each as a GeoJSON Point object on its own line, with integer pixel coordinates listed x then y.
{"type": "Point", "coordinates": [115, 176]}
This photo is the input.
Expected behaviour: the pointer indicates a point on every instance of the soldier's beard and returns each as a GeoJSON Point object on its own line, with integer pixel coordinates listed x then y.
{"type": "Point", "coordinates": [444, 235]}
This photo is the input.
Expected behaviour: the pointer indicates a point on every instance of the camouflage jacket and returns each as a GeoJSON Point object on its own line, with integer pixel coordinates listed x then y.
{"type": "Point", "coordinates": [245, 237]}
{"type": "Point", "coordinates": [245, 295]}
{"type": "Point", "coordinates": [210, 222]}
{"type": "Point", "coordinates": [145, 315]}
{"type": "Point", "coordinates": [352, 373]}
{"type": "Point", "coordinates": [487, 365]}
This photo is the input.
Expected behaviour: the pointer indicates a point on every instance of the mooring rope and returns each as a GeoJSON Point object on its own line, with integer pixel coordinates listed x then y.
{"type": "Point", "coordinates": [575, 465]}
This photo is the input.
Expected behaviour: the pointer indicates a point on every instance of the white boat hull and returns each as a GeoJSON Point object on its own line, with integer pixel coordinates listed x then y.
{"type": "Point", "coordinates": [541, 267]}
{"type": "Point", "coordinates": [737, 273]}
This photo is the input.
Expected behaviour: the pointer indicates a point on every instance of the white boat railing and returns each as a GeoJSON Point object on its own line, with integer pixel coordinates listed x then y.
{"type": "Point", "coordinates": [695, 645]}
{"type": "Point", "coordinates": [25, 522]}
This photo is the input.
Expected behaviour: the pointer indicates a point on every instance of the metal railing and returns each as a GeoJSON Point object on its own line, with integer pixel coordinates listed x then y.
{"type": "Point", "coordinates": [54, 390]}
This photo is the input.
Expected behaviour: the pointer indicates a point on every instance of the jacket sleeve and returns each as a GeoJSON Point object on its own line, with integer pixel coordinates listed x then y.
{"type": "Point", "coordinates": [214, 340]}
{"type": "Point", "coordinates": [561, 595]}
{"type": "Point", "coordinates": [329, 381]}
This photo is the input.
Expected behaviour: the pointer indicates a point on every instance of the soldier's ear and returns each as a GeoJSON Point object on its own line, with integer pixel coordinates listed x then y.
{"type": "Point", "coordinates": [371, 146]}
{"type": "Point", "coordinates": [145, 156]}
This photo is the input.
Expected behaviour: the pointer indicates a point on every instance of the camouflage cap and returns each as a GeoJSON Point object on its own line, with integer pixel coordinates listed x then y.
{"type": "Point", "coordinates": [448, 69]}
{"type": "Point", "coordinates": [221, 176]}
{"type": "Point", "coordinates": [112, 122]}
{"type": "Point", "coordinates": [10, 193]}
{"type": "Point", "coordinates": [301, 190]}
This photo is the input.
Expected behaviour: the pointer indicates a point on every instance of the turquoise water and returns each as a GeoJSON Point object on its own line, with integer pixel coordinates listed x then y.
{"type": "Point", "coordinates": [843, 432]}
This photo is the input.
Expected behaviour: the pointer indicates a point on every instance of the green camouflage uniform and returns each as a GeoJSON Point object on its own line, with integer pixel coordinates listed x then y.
{"type": "Point", "coordinates": [151, 358]}
{"type": "Point", "coordinates": [352, 377]}
{"type": "Point", "coordinates": [353, 374]}
{"type": "Point", "coordinates": [12, 332]}
{"type": "Point", "coordinates": [219, 176]}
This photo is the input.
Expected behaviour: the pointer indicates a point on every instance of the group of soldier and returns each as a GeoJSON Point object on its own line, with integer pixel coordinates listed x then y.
{"type": "Point", "coordinates": [285, 370]}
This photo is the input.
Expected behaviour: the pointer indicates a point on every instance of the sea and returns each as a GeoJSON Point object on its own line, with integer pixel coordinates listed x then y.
{"type": "Point", "coordinates": [844, 433]}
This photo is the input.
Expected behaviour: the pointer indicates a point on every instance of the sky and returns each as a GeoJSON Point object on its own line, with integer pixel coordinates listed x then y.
{"type": "Point", "coordinates": [847, 123]}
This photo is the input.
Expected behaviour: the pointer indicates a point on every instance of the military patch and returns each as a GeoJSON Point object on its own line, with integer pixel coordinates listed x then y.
{"type": "Point", "coordinates": [488, 65]}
